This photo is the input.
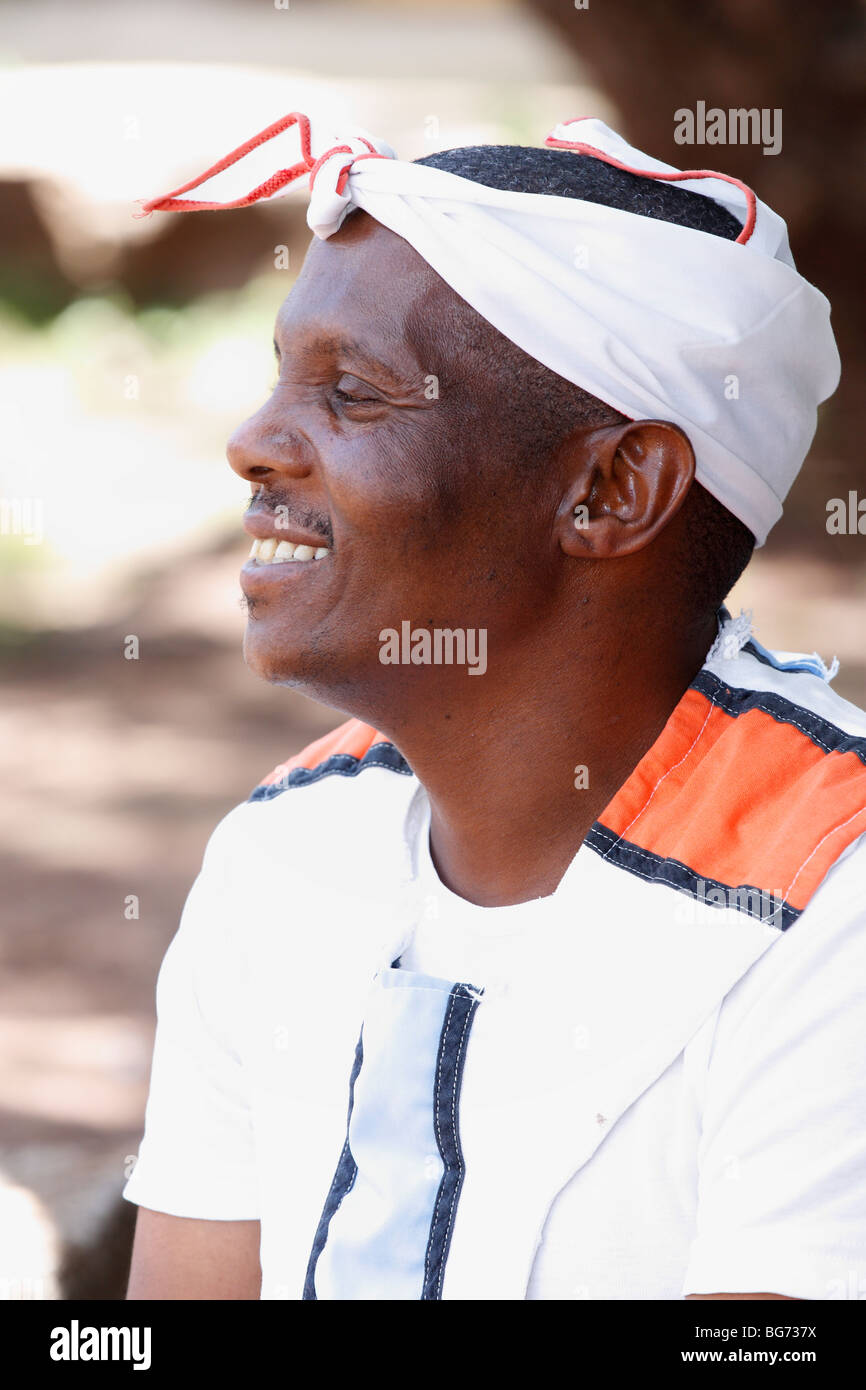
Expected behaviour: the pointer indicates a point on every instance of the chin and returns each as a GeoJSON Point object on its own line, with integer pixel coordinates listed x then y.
{"type": "Point", "coordinates": [279, 663]}
{"type": "Point", "coordinates": [293, 664]}
{"type": "Point", "coordinates": [341, 680]}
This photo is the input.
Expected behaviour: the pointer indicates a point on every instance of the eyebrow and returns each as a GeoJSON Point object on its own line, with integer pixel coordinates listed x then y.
{"type": "Point", "coordinates": [351, 347]}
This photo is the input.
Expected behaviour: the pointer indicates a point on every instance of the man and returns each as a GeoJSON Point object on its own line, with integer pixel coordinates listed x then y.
{"type": "Point", "coordinates": [579, 944]}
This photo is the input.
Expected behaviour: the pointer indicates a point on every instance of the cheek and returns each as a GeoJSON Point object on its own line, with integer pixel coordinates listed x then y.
{"type": "Point", "coordinates": [434, 499]}
{"type": "Point", "coordinates": [396, 482]}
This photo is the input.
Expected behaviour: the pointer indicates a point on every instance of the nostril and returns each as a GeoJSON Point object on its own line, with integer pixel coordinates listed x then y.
{"type": "Point", "coordinates": [244, 453]}
{"type": "Point", "coordinates": [262, 448]}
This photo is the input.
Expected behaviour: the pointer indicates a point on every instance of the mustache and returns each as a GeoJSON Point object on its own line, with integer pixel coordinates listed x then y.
{"type": "Point", "coordinates": [287, 515]}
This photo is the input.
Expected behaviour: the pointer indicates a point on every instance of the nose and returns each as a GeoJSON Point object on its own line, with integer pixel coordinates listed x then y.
{"type": "Point", "coordinates": [265, 448]}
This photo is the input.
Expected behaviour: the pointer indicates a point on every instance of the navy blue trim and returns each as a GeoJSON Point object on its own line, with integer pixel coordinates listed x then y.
{"type": "Point", "coordinates": [344, 1180]}
{"type": "Point", "coordinates": [446, 1098]}
{"type": "Point", "coordinates": [759, 655]}
{"type": "Point", "coordinates": [736, 702]}
{"type": "Point", "coordinates": [773, 911]}
{"type": "Point", "coordinates": [339, 764]}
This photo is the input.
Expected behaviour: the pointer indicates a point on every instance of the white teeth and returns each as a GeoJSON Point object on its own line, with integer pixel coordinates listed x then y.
{"type": "Point", "coordinates": [271, 552]}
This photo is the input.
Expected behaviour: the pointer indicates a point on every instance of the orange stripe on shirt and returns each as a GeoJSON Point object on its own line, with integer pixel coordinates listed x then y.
{"type": "Point", "coordinates": [353, 738]}
{"type": "Point", "coordinates": [742, 800]}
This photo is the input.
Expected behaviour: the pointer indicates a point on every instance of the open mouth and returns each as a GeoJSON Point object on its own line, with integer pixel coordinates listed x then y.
{"type": "Point", "coordinates": [273, 552]}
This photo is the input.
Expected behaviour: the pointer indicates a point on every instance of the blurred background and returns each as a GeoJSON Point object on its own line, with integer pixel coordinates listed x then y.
{"type": "Point", "coordinates": [129, 349]}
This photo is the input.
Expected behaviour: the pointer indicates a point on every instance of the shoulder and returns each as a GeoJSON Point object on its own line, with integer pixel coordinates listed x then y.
{"type": "Point", "coordinates": [790, 1037]}
{"type": "Point", "coordinates": [347, 751]}
{"type": "Point", "coordinates": [316, 855]}
{"type": "Point", "coordinates": [336, 810]}
{"type": "Point", "coordinates": [754, 790]}
{"type": "Point", "coordinates": [791, 759]}
{"type": "Point", "coordinates": [782, 1150]}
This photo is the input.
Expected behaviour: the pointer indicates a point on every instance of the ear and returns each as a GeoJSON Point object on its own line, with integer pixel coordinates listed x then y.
{"type": "Point", "coordinates": [629, 481]}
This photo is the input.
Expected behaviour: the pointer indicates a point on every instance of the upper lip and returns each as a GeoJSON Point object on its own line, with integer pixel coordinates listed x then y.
{"type": "Point", "coordinates": [262, 526]}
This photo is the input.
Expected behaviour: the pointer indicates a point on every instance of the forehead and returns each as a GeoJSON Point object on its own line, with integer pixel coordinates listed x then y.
{"type": "Point", "coordinates": [364, 283]}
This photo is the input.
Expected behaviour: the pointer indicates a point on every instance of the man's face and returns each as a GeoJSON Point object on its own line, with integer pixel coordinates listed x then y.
{"type": "Point", "coordinates": [379, 442]}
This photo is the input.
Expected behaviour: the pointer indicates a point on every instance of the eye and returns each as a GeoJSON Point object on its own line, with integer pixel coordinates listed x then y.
{"type": "Point", "coordinates": [350, 390]}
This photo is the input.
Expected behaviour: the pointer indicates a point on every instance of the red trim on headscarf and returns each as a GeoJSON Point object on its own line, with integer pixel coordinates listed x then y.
{"type": "Point", "coordinates": [172, 202]}
{"type": "Point", "coordinates": [751, 201]}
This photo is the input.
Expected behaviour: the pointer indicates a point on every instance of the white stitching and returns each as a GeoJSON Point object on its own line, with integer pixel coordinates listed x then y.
{"type": "Point", "coordinates": [763, 705]}
{"type": "Point", "coordinates": [784, 719]}
{"type": "Point", "coordinates": [820, 843]}
{"type": "Point", "coordinates": [600, 830]}
{"type": "Point", "coordinates": [282, 784]}
{"type": "Point", "coordinates": [438, 1134]}
{"type": "Point", "coordinates": [688, 751]}
{"type": "Point", "coordinates": [664, 878]}
{"type": "Point", "coordinates": [456, 1149]}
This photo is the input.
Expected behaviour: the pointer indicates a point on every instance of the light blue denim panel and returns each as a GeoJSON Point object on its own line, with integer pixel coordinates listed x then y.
{"type": "Point", "coordinates": [811, 664]}
{"type": "Point", "coordinates": [377, 1239]}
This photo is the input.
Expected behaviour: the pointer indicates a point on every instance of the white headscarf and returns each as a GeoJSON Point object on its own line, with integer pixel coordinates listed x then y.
{"type": "Point", "coordinates": [723, 338]}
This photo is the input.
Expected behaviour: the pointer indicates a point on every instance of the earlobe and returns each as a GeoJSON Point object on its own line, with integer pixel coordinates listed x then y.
{"type": "Point", "coordinates": [632, 482]}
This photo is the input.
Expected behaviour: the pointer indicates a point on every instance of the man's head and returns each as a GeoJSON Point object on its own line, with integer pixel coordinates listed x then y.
{"type": "Point", "coordinates": [445, 468]}
{"type": "Point", "coordinates": [716, 546]}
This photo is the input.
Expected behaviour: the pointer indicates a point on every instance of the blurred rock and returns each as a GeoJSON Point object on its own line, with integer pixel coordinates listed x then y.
{"type": "Point", "coordinates": [67, 1233]}
{"type": "Point", "coordinates": [194, 255]}
{"type": "Point", "coordinates": [29, 1251]}
{"type": "Point", "coordinates": [31, 279]}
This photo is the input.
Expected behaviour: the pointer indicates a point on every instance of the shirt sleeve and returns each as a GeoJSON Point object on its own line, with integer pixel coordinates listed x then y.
{"type": "Point", "coordinates": [197, 1156]}
{"type": "Point", "coordinates": [782, 1158]}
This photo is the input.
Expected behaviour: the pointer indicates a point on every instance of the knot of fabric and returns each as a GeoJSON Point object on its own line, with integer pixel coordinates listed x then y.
{"type": "Point", "coordinates": [329, 175]}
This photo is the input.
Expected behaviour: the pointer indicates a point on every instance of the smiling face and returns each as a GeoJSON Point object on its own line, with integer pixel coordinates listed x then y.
{"type": "Point", "coordinates": [379, 451]}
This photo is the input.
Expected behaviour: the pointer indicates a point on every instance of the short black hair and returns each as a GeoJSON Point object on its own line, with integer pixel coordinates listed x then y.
{"type": "Point", "coordinates": [545, 406]}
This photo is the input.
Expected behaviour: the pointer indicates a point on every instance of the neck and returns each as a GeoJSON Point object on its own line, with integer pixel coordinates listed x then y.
{"type": "Point", "coordinates": [501, 758]}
